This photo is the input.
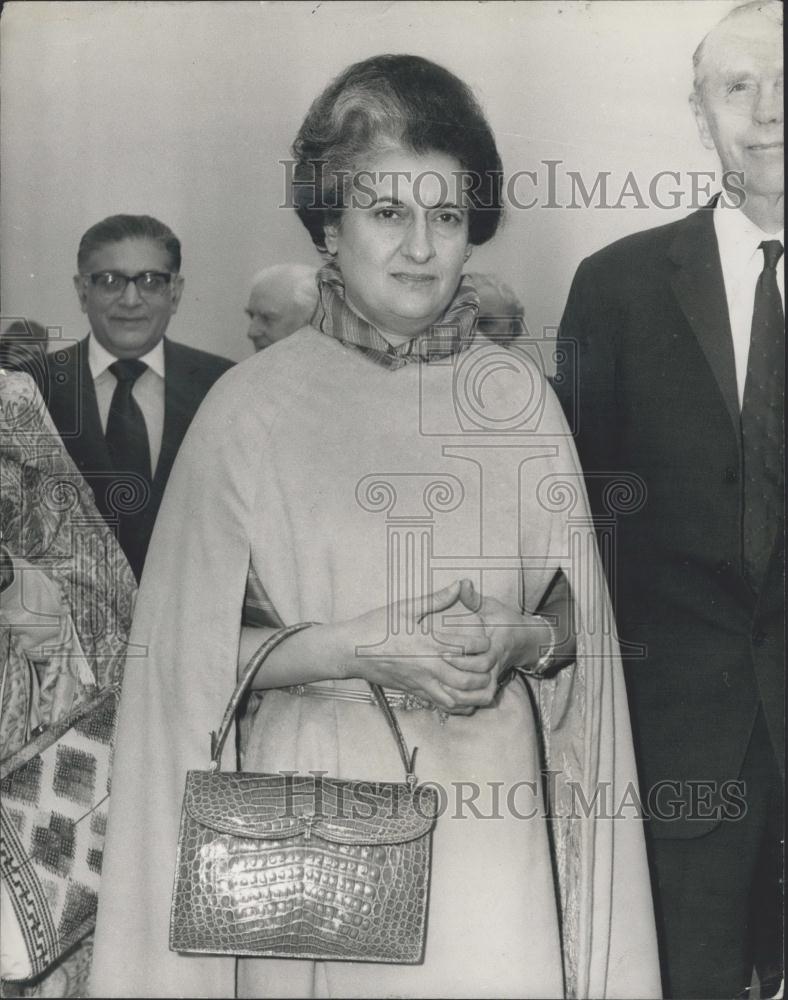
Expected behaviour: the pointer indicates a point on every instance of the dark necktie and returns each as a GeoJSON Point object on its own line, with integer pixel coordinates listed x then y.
{"type": "Point", "coordinates": [127, 442]}
{"type": "Point", "coordinates": [127, 435]}
{"type": "Point", "coordinates": [762, 425]}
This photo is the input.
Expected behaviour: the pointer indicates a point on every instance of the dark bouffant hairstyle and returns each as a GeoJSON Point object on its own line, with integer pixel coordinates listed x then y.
{"type": "Point", "coordinates": [128, 227]}
{"type": "Point", "coordinates": [386, 100]}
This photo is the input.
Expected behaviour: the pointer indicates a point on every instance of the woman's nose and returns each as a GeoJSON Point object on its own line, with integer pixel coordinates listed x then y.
{"type": "Point", "coordinates": [418, 244]}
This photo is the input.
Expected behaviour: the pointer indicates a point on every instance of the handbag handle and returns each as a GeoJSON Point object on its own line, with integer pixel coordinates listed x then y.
{"type": "Point", "coordinates": [257, 660]}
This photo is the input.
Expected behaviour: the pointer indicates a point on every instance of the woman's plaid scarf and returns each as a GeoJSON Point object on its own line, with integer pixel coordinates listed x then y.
{"type": "Point", "coordinates": [451, 335]}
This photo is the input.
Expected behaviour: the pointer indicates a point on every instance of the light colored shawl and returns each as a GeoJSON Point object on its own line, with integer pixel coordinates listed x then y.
{"type": "Point", "coordinates": [188, 617]}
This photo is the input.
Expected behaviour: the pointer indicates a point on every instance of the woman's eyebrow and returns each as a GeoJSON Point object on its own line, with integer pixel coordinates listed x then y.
{"type": "Point", "coordinates": [386, 199]}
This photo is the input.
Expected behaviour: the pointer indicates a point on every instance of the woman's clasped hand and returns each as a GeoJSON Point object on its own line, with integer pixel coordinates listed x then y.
{"type": "Point", "coordinates": [419, 644]}
{"type": "Point", "coordinates": [452, 646]}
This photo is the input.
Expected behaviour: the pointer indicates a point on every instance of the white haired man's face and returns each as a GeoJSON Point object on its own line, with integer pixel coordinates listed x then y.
{"type": "Point", "coordinates": [273, 313]}
{"type": "Point", "coordinates": [739, 104]}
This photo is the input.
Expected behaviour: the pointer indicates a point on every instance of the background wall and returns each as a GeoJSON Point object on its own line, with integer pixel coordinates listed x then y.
{"type": "Point", "coordinates": [183, 111]}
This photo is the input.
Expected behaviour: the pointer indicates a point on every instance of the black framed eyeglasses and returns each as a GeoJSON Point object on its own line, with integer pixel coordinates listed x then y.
{"type": "Point", "coordinates": [113, 284]}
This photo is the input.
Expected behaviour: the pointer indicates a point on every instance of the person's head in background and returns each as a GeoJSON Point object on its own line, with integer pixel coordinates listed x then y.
{"type": "Point", "coordinates": [282, 300]}
{"type": "Point", "coordinates": [129, 282]}
{"type": "Point", "coordinates": [738, 105]}
{"type": "Point", "coordinates": [23, 348]}
{"type": "Point", "coordinates": [500, 311]}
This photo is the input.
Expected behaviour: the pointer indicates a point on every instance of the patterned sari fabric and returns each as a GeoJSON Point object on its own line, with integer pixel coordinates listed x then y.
{"type": "Point", "coordinates": [69, 563]}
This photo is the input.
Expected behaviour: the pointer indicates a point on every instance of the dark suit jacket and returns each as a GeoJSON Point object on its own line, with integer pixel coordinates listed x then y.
{"type": "Point", "coordinates": [189, 374]}
{"type": "Point", "coordinates": [648, 384]}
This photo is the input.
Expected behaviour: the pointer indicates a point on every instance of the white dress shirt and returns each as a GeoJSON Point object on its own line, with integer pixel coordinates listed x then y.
{"type": "Point", "coordinates": [148, 391]}
{"type": "Point", "coordinates": [738, 239]}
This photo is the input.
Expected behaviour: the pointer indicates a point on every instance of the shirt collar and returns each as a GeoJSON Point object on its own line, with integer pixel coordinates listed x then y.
{"type": "Point", "coordinates": [738, 238]}
{"type": "Point", "coordinates": [99, 358]}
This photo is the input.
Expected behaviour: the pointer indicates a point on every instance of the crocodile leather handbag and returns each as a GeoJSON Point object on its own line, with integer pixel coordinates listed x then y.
{"type": "Point", "coordinates": [290, 866]}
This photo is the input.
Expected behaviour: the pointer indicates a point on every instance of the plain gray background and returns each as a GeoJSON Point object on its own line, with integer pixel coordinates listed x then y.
{"type": "Point", "coordinates": [183, 110]}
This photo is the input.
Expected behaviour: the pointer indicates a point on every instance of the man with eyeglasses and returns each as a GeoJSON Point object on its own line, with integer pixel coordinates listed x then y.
{"type": "Point", "coordinates": [123, 397]}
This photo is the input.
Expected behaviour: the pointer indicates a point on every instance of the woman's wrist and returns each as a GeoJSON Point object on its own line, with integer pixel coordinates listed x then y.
{"type": "Point", "coordinates": [546, 656]}
{"type": "Point", "coordinates": [319, 653]}
{"type": "Point", "coordinates": [341, 650]}
{"type": "Point", "coordinates": [542, 641]}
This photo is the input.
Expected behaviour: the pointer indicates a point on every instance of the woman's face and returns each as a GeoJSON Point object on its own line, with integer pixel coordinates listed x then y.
{"type": "Point", "coordinates": [401, 242]}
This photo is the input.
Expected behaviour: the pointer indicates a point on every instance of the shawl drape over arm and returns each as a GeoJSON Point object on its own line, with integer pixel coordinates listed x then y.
{"type": "Point", "coordinates": [187, 622]}
{"type": "Point", "coordinates": [609, 937]}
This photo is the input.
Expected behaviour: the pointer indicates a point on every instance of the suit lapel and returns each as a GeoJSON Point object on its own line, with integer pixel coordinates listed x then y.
{"type": "Point", "coordinates": [700, 290]}
{"type": "Point", "coordinates": [88, 448]}
{"type": "Point", "coordinates": [179, 408]}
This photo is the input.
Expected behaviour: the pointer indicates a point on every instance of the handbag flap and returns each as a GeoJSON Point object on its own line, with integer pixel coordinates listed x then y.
{"type": "Point", "coordinates": [276, 807]}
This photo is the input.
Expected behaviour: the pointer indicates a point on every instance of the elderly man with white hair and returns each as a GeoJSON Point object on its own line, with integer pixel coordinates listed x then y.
{"type": "Point", "coordinates": [679, 388]}
{"type": "Point", "coordinates": [282, 300]}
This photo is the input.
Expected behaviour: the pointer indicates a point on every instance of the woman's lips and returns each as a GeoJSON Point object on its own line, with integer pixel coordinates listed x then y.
{"type": "Point", "coordinates": [413, 279]}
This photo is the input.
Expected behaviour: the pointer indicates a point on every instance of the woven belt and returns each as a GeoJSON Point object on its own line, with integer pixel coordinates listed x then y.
{"type": "Point", "coordinates": [397, 699]}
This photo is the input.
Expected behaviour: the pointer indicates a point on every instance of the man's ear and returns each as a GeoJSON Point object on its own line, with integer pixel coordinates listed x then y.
{"type": "Point", "coordinates": [80, 285]}
{"type": "Point", "coordinates": [696, 103]}
{"type": "Point", "coordinates": [177, 291]}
